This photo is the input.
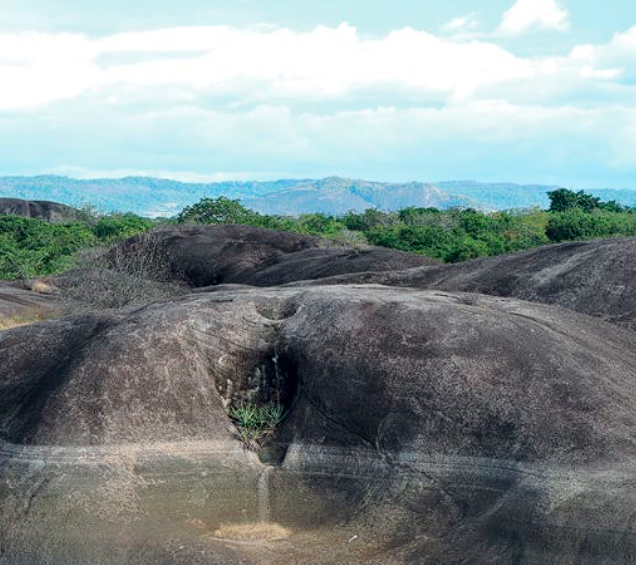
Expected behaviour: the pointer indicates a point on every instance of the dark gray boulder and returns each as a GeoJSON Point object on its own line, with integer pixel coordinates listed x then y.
{"type": "Point", "coordinates": [231, 254]}
{"type": "Point", "coordinates": [42, 209]}
{"type": "Point", "coordinates": [481, 360]}
{"type": "Point", "coordinates": [592, 277]}
{"type": "Point", "coordinates": [422, 427]}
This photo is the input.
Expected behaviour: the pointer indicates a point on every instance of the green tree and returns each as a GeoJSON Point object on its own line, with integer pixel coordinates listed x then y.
{"type": "Point", "coordinates": [367, 220]}
{"type": "Point", "coordinates": [417, 216]}
{"type": "Point", "coordinates": [218, 211]}
{"type": "Point", "coordinates": [563, 199]}
{"type": "Point", "coordinates": [120, 226]}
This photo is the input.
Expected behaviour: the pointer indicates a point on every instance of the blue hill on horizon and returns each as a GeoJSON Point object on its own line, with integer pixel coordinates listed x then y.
{"type": "Point", "coordinates": [333, 195]}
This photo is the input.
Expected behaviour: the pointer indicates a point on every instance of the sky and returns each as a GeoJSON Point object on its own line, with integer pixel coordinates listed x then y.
{"type": "Point", "coordinates": [529, 91]}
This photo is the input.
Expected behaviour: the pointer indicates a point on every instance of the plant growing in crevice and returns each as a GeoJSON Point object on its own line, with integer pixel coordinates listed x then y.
{"type": "Point", "coordinates": [255, 423]}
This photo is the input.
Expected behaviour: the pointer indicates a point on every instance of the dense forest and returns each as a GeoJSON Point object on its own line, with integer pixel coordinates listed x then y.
{"type": "Point", "coordinates": [33, 248]}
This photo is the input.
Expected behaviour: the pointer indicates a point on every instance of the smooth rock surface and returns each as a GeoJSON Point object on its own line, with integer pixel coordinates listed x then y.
{"type": "Point", "coordinates": [423, 427]}
{"type": "Point", "coordinates": [16, 302]}
{"type": "Point", "coordinates": [42, 209]}
{"type": "Point", "coordinates": [592, 277]}
{"type": "Point", "coordinates": [206, 255]}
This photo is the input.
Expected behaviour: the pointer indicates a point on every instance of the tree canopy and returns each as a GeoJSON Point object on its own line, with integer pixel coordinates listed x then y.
{"type": "Point", "coordinates": [30, 247]}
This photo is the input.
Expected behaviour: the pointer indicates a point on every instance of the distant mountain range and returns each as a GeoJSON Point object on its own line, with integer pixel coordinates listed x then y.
{"type": "Point", "coordinates": [334, 195]}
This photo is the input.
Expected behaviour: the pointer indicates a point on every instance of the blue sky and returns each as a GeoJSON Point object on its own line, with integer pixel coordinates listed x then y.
{"type": "Point", "coordinates": [530, 90]}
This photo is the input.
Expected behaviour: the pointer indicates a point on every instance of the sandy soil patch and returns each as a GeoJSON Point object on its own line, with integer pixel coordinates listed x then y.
{"type": "Point", "coordinates": [259, 531]}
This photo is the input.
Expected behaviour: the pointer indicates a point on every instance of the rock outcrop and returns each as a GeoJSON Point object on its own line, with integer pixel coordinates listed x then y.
{"type": "Point", "coordinates": [421, 427]}
{"type": "Point", "coordinates": [42, 209]}
{"type": "Point", "coordinates": [494, 367]}
{"type": "Point", "coordinates": [434, 414]}
{"type": "Point", "coordinates": [229, 254]}
{"type": "Point", "coordinates": [592, 277]}
{"type": "Point", "coordinates": [19, 305]}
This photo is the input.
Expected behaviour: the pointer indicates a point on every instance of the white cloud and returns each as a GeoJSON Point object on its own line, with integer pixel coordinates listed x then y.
{"type": "Point", "coordinates": [527, 15]}
{"type": "Point", "coordinates": [619, 54]}
{"type": "Point", "coordinates": [195, 100]}
{"type": "Point", "coordinates": [246, 67]}
{"type": "Point", "coordinates": [461, 24]}
{"type": "Point", "coordinates": [37, 68]}
{"type": "Point", "coordinates": [487, 139]}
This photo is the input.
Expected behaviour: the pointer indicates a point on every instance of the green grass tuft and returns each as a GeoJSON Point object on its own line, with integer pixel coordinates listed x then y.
{"type": "Point", "coordinates": [256, 423]}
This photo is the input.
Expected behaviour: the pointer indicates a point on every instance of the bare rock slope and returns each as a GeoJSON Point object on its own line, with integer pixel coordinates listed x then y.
{"type": "Point", "coordinates": [42, 209]}
{"type": "Point", "coordinates": [592, 277]}
{"type": "Point", "coordinates": [230, 254]}
{"type": "Point", "coordinates": [18, 305]}
{"type": "Point", "coordinates": [425, 426]}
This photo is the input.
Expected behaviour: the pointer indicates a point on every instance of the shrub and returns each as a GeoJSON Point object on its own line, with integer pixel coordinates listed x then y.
{"type": "Point", "coordinates": [30, 247]}
{"type": "Point", "coordinates": [467, 248]}
{"type": "Point", "coordinates": [256, 423]}
{"type": "Point", "coordinates": [369, 219]}
{"type": "Point", "coordinates": [577, 224]}
{"type": "Point", "coordinates": [345, 238]}
{"type": "Point", "coordinates": [318, 224]}
{"type": "Point", "coordinates": [116, 227]}
{"type": "Point", "coordinates": [135, 273]}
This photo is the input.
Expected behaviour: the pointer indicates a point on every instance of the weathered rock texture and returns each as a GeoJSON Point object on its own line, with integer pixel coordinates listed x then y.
{"type": "Point", "coordinates": [593, 277]}
{"type": "Point", "coordinates": [209, 255]}
{"type": "Point", "coordinates": [20, 304]}
{"type": "Point", "coordinates": [495, 368]}
{"type": "Point", "coordinates": [436, 427]}
{"type": "Point", "coordinates": [42, 209]}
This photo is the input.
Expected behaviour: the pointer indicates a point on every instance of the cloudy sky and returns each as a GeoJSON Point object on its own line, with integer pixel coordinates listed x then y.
{"type": "Point", "coordinates": [530, 91]}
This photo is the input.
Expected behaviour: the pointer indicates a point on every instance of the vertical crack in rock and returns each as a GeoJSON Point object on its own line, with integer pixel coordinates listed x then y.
{"type": "Point", "coordinates": [264, 499]}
